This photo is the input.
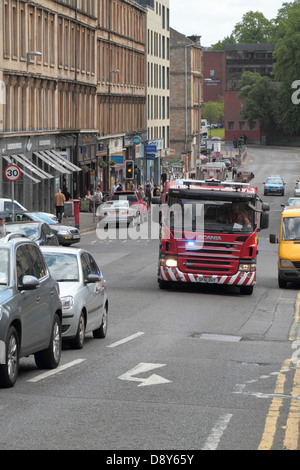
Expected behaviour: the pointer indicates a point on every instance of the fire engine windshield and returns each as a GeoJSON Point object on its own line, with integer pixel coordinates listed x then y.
{"type": "Point", "coordinates": [290, 228]}
{"type": "Point", "coordinates": [211, 216]}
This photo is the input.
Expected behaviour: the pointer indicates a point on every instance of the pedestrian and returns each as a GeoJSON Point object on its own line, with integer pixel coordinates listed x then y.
{"type": "Point", "coordinates": [148, 193]}
{"type": "Point", "coordinates": [141, 192]}
{"type": "Point", "coordinates": [156, 191]}
{"type": "Point", "coordinates": [98, 196]}
{"type": "Point", "coordinates": [59, 202]}
{"type": "Point", "coordinates": [66, 193]}
{"type": "Point", "coordinates": [2, 226]}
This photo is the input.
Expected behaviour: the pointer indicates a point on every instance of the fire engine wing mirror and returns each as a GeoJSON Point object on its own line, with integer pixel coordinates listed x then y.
{"type": "Point", "coordinates": [264, 220]}
{"type": "Point", "coordinates": [273, 238]}
{"type": "Point", "coordinates": [265, 207]}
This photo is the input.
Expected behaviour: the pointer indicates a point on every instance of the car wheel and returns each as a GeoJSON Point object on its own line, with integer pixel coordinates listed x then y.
{"type": "Point", "coordinates": [282, 283]}
{"type": "Point", "coordinates": [9, 370]}
{"type": "Point", "coordinates": [78, 341]}
{"type": "Point", "coordinates": [49, 358]}
{"type": "Point", "coordinates": [102, 331]}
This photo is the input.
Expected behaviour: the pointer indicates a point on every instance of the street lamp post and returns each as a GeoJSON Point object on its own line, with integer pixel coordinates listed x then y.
{"type": "Point", "coordinates": [28, 54]}
{"type": "Point", "coordinates": [109, 124]}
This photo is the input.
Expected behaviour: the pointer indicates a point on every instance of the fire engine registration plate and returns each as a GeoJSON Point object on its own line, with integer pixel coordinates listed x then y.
{"type": "Point", "coordinates": [207, 280]}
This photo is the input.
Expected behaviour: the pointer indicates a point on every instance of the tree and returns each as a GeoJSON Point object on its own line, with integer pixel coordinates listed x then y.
{"type": "Point", "coordinates": [219, 46]}
{"type": "Point", "coordinates": [259, 96]}
{"type": "Point", "coordinates": [254, 28]}
{"type": "Point", "coordinates": [287, 68]}
{"type": "Point", "coordinates": [213, 110]}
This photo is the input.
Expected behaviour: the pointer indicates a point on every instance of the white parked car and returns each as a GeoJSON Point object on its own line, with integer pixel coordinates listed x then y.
{"type": "Point", "coordinates": [82, 291]}
{"type": "Point", "coordinates": [7, 206]}
{"type": "Point", "coordinates": [118, 212]}
{"type": "Point", "coordinates": [297, 189]}
{"type": "Point", "coordinates": [292, 202]}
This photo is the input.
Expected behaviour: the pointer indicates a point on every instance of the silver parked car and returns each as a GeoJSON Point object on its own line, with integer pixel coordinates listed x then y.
{"type": "Point", "coordinates": [30, 309]}
{"type": "Point", "coordinates": [118, 212]}
{"type": "Point", "coordinates": [82, 291]}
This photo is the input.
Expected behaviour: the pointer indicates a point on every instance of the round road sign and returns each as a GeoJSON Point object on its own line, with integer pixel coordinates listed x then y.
{"type": "Point", "coordinates": [12, 173]}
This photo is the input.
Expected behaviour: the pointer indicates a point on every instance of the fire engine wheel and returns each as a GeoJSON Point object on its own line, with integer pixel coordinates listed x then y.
{"type": "Point", "coordinates": [246, 290]}
{"type": "Point", "coordinates": [164, 284]}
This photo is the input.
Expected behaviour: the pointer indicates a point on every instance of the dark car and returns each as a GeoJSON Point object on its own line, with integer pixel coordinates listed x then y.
{"type": "Point", "coordinates": [66, 234]}
{"type": "Point", "coordinates": [39, 232]}
{"type": "Point", "coordinates": [30, 309]}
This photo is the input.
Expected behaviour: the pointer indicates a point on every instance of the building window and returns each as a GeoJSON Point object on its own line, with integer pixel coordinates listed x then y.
{"type": "Point", "coordinates": [241, 125]}
{"type": "Point", "coordinates": [231, 125]}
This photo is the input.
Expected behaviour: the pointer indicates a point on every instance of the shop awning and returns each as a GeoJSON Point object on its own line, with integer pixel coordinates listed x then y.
{"type": "Point", "coordinates": [53, 164]}
{"type": "Point", "coordinates": [62, 161]}
{"type": "Point", "coordinates": [24, 161]}
{"type": "Point", "coordinates": [35, 180]}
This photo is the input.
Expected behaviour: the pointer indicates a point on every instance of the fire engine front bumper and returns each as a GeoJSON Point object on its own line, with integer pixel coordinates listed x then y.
{"type": "Point", "coordinates": [238, 279]}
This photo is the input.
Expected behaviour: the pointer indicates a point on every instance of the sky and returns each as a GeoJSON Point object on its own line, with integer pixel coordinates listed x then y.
{"type": "Point", "coordinates": [213, 20]}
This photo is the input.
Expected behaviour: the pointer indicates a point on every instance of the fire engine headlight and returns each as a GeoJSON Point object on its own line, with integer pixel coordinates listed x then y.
{"type": "Point", "coordinates": [247, 267]}
{"type": "Point", "coordinates": [286, 263]}
{"type": "Point", "coordinates": [169, 262]}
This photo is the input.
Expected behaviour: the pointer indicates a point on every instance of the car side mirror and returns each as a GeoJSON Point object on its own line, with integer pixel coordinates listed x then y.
{"type": "Point", "coordinates": [29, 283]}
{"type": "Point", "coordinates": [93, 278]}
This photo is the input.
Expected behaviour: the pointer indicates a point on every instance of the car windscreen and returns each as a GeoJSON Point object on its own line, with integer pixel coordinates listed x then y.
{"type": "Point", "coordinates": [113, 204]}
{"type": "Point", "coordinates": [274, 181]}
{"type": "Point", "coordinates": [213, 216]}
{"type": "Point", "coordinates": [41, 217]}
{"type": "Point", "coordinates": [290, 228]}
{"type": "Point", "coordinates": [63, 266]}
{"type": "Point", "coordinates": [29, 230]}
{"type": "Point", "coordinates": [8, 206]}
{"type": "Point", "coordinates": [4, 266]}
{"type": "Point", "coordinates": [124, 197]}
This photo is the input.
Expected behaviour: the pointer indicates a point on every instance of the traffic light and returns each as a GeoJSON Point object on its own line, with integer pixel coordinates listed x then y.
{"type": "Point", "coordinates": [129, 169]}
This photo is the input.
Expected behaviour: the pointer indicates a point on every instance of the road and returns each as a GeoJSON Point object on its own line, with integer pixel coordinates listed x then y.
{"type": "Point", "coordinates": [183, 369]}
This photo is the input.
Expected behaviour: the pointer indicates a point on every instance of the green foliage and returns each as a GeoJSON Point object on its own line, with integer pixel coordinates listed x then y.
{"type": "Point", "coordinates": [287, 67]}
{"type": "Point", "coordinates": [260, 101]}
{"type": "Point", "coordinates": [253, 29]}
{"type": "Point", "coordinates": [213, 110]}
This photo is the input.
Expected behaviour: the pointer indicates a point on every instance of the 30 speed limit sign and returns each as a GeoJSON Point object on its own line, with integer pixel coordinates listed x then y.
{"type": "Point", "coordinates": [12, 173]}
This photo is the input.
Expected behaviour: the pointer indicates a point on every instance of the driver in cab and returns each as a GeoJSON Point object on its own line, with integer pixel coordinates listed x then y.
{"type": "Point", "coordinates": [237, 216]}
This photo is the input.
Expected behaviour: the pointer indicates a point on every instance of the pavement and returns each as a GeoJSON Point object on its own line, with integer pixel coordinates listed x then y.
{"type": "Point", "coordinates": [87, 221]}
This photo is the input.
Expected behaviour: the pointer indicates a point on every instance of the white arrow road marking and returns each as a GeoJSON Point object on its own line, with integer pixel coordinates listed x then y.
{"type": "Point", "coordinates": [142, 368]}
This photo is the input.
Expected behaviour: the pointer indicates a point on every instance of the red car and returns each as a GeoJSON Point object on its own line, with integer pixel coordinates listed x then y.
{"type": "Point", "coordinates": [135, 199]}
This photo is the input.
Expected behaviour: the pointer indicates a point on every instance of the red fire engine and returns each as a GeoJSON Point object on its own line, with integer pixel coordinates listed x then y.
{"type": "Point", "coordinates": [209, 233]}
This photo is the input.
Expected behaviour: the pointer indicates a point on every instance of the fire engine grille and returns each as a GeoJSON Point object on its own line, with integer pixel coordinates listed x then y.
{"type": "Point", "coordinates": [201, 265]}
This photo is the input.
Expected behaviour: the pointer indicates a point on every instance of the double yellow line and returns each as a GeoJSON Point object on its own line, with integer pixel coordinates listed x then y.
{"type": "Point", "coordinates": [291, 427]}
